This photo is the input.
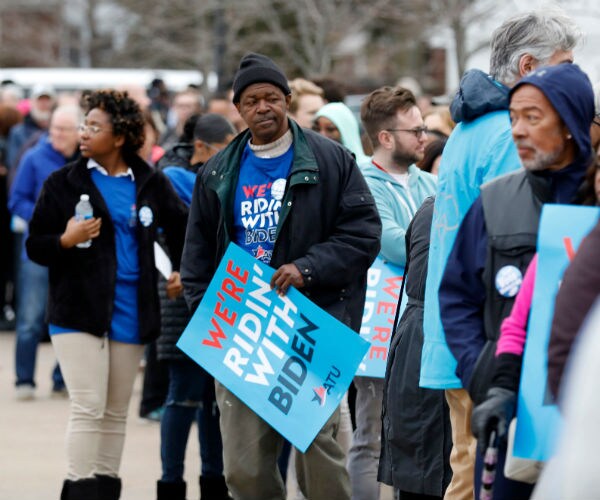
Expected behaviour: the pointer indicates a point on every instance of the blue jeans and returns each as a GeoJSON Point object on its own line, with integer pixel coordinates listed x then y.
{"type": "Point", "coordinates": [33, 293]}
{"type": "Point", "coordinates": [191, 397]}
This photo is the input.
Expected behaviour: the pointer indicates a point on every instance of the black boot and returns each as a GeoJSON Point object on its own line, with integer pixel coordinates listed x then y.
{"type": "Point", "coordinates": [170, 491]}
{"type": "Point", "coordinates": [83, 489]}
{"type": "Point", "coordinates": [109, 488]}
{"type": "Point", "coordinates": [213, 488]}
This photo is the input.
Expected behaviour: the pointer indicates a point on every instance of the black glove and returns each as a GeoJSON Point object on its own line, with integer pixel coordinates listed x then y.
{"type": "Point", "coordinates": [495, 412]}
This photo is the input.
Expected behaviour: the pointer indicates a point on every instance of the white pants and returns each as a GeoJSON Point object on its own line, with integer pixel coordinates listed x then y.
{"type": "Point", "coordinates": [99, 375]}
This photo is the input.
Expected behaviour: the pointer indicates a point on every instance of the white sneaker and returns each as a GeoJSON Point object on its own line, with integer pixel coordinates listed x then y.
{"type": "Point", "coordinates": [25, 392]}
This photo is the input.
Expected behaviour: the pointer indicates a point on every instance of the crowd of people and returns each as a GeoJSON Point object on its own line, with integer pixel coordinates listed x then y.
{"type": "Point", "coordinates": [452, 194]}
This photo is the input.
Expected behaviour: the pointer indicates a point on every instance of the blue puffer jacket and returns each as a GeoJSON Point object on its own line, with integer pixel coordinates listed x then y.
{"type": "Point", "coordinates": [479, 149]}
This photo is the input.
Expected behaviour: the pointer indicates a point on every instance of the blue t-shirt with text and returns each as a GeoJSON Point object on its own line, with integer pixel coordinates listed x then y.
{"type": "Point", "coordinates": [119, 195]}
{"type": "Point", "coordinates": [258, 196]}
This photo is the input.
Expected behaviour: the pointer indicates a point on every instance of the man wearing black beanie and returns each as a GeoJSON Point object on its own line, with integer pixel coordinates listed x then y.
{"type": "Point", "coordinates": [256, 68]}
{"type": "Point", "coordinates": [298, 202]}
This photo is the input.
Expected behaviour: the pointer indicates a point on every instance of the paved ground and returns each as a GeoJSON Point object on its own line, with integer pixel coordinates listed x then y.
{"type": "Point", "coordinates": [32, 456]}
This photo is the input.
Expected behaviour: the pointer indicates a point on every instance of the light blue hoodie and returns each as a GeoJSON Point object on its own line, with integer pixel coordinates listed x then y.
{"type": "Point", "coordinates": [479, 149]}
{"type": "Point", "coordinates": [397, 205]}
{"type": "Point", "coordinates": [343, 118]}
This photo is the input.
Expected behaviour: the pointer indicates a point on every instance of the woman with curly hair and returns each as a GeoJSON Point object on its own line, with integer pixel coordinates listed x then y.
{"type": "Point", "coordinates": [103, 302]}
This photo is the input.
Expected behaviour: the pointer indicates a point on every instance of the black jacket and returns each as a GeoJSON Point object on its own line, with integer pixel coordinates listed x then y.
{"type": "Point", "coordinates": [82, 281]}
{"type": "Point", "coordinates": [328, 226]}
{"type": "Point", "coordinates": [174, 317]}
{"type": "Point", "coordinates": [178, 156]}
{"type": "Point", "coordinates": [416, 435]}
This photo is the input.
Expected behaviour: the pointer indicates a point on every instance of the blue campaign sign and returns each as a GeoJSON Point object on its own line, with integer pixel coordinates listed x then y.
{"type": "Point", "coordinates": [383, 289]}
{"type": "Point", "coordinates": [287, 359]}
{"type": "Point", "coordinates": [562, 227]}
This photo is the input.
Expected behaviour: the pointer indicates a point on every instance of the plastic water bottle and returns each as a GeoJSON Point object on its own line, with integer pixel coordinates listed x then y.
{"type": "Point", "coordinates": [83, 211]}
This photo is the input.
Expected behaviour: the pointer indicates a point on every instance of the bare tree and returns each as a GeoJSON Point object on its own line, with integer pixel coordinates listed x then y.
{"type": "Point", "coordinates": [457, 15]}
{"type": "Point", "coordinates": [306, 32]}
{"type": "Point", "coordinates": [385, 38]}
{"type": "Point", "coordinates": [30, 33]}
{"type": "Point", "coordinates": [162, 34]}
{"type": "Point", "coordinates": [304, 36]}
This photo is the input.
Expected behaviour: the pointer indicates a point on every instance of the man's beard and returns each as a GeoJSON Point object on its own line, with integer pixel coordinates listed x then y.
{"type": "Point", "coordinates": [541, 161]}
{"type": "Point", "coordinates": [404, 158]}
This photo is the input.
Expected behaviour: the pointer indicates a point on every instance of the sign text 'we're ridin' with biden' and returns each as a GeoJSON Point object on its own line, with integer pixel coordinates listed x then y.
{"type": "Point", "coordinates": [287, 359]}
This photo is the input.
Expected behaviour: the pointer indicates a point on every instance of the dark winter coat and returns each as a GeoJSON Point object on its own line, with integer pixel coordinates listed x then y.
{"type": "Point", "coordinates": [416, 434]}
{"type": "Point", "coordinates": [82, 281]}
{"type": "Point", "coordinates": [174, 317]}
{"type": "Point", "coordinates": [178, 156]}
{"type": "Point", "coordinates": [328, 226]}
{"type": "Point", "coordinates": [174, 313]}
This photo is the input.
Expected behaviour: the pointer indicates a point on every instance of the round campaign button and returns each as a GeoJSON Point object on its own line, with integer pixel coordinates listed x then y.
{"type": "Point", "coordinates": [508, 281]}
{"type": "Point", "coordinates": [146, 216]}
{"type": "Point", "coordinates": [277, 189]}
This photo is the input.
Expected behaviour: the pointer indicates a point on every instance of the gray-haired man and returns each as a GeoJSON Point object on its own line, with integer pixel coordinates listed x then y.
{"type": "Point", "coordinates": [480, 148]}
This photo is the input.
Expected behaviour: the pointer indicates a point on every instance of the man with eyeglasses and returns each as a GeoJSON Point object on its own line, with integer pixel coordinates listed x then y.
{"type": "Point", "coordinates": [52, 151]}
{"type": "Point", "coordinates": [395, 126]}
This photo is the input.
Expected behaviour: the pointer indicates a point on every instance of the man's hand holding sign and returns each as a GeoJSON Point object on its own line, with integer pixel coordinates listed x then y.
{"type": "Point", "coordinates": [287, 275]}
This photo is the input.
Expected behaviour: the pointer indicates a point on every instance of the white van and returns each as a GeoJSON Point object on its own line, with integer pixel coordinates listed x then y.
{"type": "Point", "coordinates": [69, 79]}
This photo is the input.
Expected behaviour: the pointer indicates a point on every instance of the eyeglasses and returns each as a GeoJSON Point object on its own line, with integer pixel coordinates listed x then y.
{"type": "Point", "coordinates": [91, 129]}
{"type": "Point", "coordinates": [417, 131]}
{"type": "Point", "coordinates": [596, 120]}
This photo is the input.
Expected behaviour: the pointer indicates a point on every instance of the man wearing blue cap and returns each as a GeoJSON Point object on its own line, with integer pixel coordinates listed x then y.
{"type": "Point", "coordinates": [551, 111]}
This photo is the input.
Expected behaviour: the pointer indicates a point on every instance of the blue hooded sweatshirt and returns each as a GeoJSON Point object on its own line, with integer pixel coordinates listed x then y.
{"type": "Point", "coordinates": [479, 149]}
{"type": "Point", "coordinates": [462, 293]}
{"type": "Point", "coordinates": [397, 205]}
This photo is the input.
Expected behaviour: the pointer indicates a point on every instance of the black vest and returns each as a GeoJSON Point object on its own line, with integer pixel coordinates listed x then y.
{"type": "Point", "coordinates": [512, 206]}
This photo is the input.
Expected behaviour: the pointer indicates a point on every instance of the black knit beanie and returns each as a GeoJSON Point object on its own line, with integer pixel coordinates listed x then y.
{"type": "Point", "coordinates": [256, 68]}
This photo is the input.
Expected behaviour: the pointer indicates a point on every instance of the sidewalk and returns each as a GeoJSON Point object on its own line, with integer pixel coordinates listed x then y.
{"type": "Point", "coordinates": [32, 455]}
